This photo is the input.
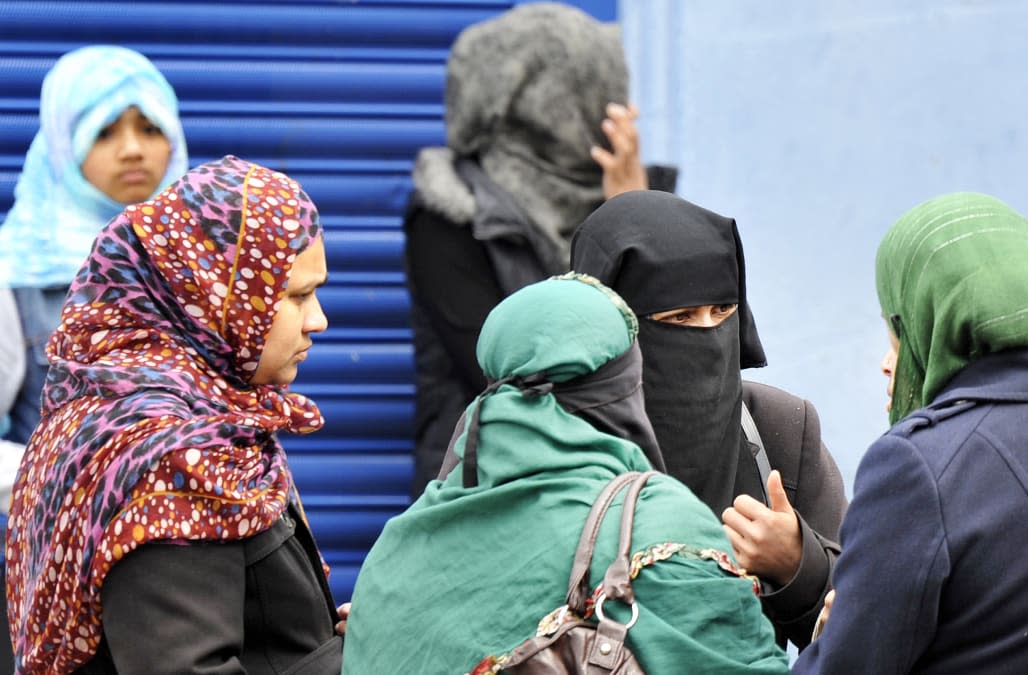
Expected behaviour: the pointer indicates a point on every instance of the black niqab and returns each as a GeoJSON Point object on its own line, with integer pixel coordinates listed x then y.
{"type": "Point", "coordinates": [660, 252]}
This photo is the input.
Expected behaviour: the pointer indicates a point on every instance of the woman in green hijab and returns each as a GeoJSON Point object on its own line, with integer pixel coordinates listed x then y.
{"type": "Point", "coordinates": [466, 573]}
{"type": "Point", "coordinates": [932, 573]}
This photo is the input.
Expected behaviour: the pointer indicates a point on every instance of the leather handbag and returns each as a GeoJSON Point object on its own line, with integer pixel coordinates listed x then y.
{"type": "Point", "coordinates": [569, 643]}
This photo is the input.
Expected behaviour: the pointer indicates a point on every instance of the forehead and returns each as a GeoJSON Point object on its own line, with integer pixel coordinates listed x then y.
{"type": "Point", "coordinates": [310, 266]}
{"type": "Point", "coordinates": [130, 114]}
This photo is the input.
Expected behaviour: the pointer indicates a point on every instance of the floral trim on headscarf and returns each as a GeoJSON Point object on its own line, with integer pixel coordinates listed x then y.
{"type": "Point", "coordinates": [630, 319]}
{"type": "Point", "coordinates": [57, 212]}
{"type": "Point", "coordinates": [150, 431]}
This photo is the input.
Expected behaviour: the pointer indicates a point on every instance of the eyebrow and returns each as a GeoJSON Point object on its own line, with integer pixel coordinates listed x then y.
{"type": "Point", "coordinates": [309, 286]}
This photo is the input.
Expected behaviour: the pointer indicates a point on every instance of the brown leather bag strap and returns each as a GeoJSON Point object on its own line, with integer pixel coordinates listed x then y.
{"type": "Point", "coordinates": [617, 583]}
{"type": "Point", "coordinates": [578, 582]}
{"type": "Point", "coordinates": [608, 649]}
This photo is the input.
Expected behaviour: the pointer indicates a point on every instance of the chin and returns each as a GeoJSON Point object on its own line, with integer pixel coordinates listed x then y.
{"type": "Point", "coordinates": [285, 379]}
{"type": "Point", "coordinates": [135, 194]}
{"type": "Point", "coordinates": [282, 378]}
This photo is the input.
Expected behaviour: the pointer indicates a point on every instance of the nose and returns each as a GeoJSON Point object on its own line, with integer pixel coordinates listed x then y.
{"type": "Point", "coordinates": [706, 318]}
{"type": "Point", "coordinates": [131, 145]}
{"type": "Point", "coordinates": [315, 321]}
{"type": "Point", "coordinates": [888, 364]}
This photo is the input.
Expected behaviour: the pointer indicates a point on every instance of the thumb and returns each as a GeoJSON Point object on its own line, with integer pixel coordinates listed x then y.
{"type": "Point", "coordinates": [776, 493]}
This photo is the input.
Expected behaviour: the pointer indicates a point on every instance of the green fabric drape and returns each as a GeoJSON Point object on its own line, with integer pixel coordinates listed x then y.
{"type": "Point", "coordinates": [468, 572]}
{"type": "Point", "coordinates": [952, 270]}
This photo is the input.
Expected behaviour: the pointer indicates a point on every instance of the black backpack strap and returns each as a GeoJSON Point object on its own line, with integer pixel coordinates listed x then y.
{"type": "Point", "coordinates": [749, 427]}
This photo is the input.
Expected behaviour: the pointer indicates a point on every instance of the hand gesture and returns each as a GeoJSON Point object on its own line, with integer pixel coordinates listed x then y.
{"type": "Point", "coordinates": [766, 541]}
{"type": "Point", "coordinates": [622, 168]}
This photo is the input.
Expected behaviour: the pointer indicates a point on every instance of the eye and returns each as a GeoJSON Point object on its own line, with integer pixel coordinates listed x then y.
{"type": "Point", "coordinates": [105, 133]}
{"type": "Point", "coordinates": [724, 310]}
{"type": "Point", "coordinates": [681, 317]}
{"type": "Point", "coordinates": [152, 130]}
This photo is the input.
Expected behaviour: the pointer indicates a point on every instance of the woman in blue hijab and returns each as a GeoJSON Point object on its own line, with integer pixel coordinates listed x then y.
{"type": "Point", "coordinates": [109, 135]}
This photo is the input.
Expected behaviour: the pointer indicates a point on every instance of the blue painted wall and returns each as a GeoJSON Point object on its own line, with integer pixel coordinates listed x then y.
{"type": "Point", "coordinates": [815, 125]}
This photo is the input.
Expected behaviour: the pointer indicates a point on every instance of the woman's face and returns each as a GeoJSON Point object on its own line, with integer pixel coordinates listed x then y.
{"type": "Point", "coordinates": [889, 367]}
{"type": "Point", "coordinates": [128, 159]}
{"type": "Point", "coordinates": [299, 314]}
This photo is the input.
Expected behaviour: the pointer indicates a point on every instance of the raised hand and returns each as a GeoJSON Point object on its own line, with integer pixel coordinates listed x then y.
{"type": "Point", "coordinates": [766, 541]}
{"type": "Point", "coordinates": [622, 167]}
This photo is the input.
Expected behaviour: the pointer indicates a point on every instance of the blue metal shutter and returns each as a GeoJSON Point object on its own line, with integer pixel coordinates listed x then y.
{"type": "Point", "coordinates": [340, 96]}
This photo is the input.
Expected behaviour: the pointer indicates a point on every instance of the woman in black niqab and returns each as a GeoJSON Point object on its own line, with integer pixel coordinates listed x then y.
{"type": "Point", "coordinates": [660, 253]}
{"type": "Point", "coordinates": [681, 268]}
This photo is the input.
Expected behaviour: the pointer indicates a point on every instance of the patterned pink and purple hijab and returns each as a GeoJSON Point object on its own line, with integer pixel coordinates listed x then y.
{"type": "Point", "coordinates": [150, 429]}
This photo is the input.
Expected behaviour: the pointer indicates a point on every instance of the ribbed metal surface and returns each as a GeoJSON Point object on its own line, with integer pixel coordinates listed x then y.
{"type": "Point", "coordinates": [340, 96]}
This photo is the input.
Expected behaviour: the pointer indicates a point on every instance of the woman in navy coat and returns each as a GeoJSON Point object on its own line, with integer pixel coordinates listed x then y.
{"type": "Point", "coordinates": [933, 570]}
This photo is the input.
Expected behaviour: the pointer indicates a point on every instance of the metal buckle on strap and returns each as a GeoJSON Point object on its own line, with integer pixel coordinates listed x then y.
{"type": "Point", "coordinates": [599, 611]}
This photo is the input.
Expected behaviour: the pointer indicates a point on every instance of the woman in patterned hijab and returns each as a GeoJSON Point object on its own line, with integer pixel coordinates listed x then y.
{"type": "Point", "coordinates": [160, 411]}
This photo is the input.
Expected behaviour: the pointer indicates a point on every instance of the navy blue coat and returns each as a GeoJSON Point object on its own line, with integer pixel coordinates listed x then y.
{"type": "Point", "coordinates": [933, 576]}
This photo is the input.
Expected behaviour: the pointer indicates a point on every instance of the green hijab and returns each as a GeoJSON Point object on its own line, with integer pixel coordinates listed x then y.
{"type": "Point", "coordinates": [467, 572]}
{"type": "Point", "coordinates": [952, 285]}
{"type": "Point", "coordinates": [564, 327]}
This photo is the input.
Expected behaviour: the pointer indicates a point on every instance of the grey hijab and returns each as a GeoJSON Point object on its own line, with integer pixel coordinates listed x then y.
{"type": "Point", "coordinates": [526, 93]}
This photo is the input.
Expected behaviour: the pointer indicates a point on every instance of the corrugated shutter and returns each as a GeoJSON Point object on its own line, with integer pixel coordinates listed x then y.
{"type": "Point", "coordinates": [340, 95]}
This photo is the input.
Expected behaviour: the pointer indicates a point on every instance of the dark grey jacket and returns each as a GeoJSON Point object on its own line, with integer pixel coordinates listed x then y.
{"type": "Point", "coordinates": [791, 432]}
{"type": "Point", "coordinates": [258, 605]}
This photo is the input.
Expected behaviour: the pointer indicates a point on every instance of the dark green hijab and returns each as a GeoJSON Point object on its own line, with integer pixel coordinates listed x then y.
{"type": "Point", "coordinates": [565, 327]}
{"type": "Point", "coordinates": [467, 572]}
{"type": "Point", "coordinates": [952, 278]}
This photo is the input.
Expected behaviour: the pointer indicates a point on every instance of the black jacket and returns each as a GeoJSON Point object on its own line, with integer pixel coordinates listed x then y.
{"type": "Point", "coordinates": [456, 273]}
{"type": "Point", "coordinates": [257, 605]}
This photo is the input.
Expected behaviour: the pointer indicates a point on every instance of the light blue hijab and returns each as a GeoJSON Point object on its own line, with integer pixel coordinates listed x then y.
{"type": "Point", "coordinates": [57, 213]}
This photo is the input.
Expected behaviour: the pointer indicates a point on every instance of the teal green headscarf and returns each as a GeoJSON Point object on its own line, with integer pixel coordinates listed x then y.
{"type": "Point", "coordinates": [564, 327]}
{"type": "Point", "coordinates": [952, 278]}
{"type": "Point", "coordinates": [468, 572]}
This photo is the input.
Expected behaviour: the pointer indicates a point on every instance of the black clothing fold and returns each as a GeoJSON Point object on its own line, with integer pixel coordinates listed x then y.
{"type": "Point", "coordinates": [256, 605]}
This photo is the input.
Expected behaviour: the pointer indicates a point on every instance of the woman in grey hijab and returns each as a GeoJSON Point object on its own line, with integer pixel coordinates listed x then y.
{"type": "Point", "coordinates": [539, 133]}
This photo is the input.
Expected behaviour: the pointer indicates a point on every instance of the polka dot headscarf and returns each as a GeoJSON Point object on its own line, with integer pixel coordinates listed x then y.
{"type": "Point", "coordinates": [151, 430]}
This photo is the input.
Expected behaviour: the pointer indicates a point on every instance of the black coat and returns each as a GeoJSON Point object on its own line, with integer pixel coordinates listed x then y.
{"type": "Point", "coordinates": [257, 605]}
{"type": "Point", "coordinates": [456, 273]}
